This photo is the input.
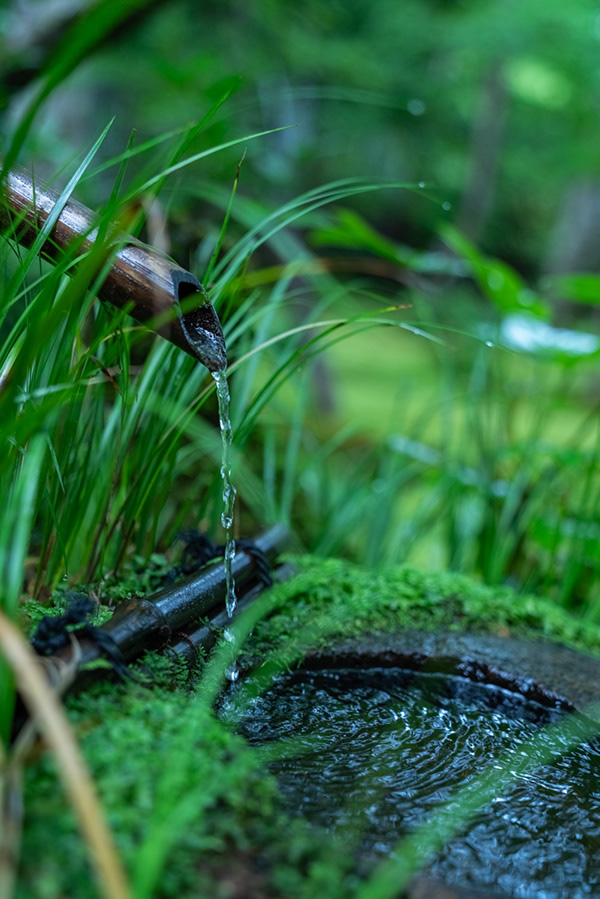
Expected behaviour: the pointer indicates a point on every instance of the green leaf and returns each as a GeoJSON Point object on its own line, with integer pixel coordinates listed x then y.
{"type": "Point", "coordinates": [496, 279]}
{"type": "Point", "coordinates": [581, 288]}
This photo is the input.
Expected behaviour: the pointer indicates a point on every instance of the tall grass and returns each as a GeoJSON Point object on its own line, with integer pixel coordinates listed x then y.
{"type": "Point", "coordinates": [480, 488]}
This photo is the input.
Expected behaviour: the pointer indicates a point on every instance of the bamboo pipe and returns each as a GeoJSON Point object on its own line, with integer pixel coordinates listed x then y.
{"type": "Point", "coordinates": [188, 644]}
{"type": "Point", "coordinates": [142, 281]}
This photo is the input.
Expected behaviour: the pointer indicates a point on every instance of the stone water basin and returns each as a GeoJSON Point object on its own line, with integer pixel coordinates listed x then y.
{"type": "Point", "coordinates": [402, 722]}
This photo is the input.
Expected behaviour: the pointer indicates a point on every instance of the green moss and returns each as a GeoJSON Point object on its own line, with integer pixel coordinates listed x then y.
{"type": "Point", "coordinates": [193, 807]}
{"type": "Point", "coordinates": [138, 578]}
{"type": "Point", "coordinates": [172, 780]}
{"type": "Point", "coordinates": [330, 599]}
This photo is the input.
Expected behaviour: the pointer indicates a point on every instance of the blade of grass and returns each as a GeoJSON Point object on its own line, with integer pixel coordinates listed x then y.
{"type": "Point", "coordinates": [156, 179]}
{"type": "Point", "coordinates": [53, 723]}
{"type": "Point", "coordinates": [219, 244]}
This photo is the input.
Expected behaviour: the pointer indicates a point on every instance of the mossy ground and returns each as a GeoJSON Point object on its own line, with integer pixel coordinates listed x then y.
{"type": "Point", "coordinates": [193, 808]}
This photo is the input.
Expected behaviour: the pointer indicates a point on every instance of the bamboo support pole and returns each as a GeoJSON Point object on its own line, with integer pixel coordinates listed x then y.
{"type": "Point", "coordinates": [173, 616]}
{"type": "Point", "coordinates": [142, 281]}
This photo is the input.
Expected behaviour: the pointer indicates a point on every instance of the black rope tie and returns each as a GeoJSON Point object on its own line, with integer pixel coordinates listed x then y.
{"type": "Point", "coordinates": [200, 549]}
{"type": "Point", "coordinates": [53, 633]}
{"type": "Point", "coordinates": [259, 558]}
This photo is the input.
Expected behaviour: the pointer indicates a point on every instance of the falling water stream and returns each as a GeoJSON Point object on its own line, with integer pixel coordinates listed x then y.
{"type": "Point", "coordinates": [228, 488]}
{"type": "Point", "coordinates": [228, 504]}
{"type": "Point", "coordinates": [190, 328]}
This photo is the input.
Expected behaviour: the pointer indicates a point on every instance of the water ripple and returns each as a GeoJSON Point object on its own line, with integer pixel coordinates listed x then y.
{"type": "Point", "coordinates": [397, 744]}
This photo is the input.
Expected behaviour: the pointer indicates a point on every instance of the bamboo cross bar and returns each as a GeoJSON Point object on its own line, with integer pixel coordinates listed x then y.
{"type": "Point", "coordinates": [144, 282]}
{"type": "Point", "coordinates": [165, 618]}
{"type": "Point", "coordinates": [174, 619]}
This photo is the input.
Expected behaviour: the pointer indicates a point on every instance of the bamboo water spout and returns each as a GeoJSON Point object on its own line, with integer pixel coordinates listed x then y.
{"type": "Point", "coordinates": [142, 281]}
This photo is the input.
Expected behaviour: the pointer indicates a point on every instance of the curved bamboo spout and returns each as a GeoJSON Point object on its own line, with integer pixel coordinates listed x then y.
{"type": "Point", "coordinates": [143, 281]}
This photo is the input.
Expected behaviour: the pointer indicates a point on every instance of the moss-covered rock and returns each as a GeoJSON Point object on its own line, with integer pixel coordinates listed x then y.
{"type": "Point", "coordinates": [331, 599]}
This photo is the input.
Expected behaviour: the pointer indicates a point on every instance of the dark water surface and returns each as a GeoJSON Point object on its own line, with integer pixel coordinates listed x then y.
{"type": "Point", "coordinates": [393, 745]}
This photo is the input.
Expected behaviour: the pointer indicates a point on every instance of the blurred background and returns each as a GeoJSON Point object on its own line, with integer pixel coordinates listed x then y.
{"type": "Point", "coordinates": [493, 105]}
{"type": "Point", "coordinates": [436, 156]}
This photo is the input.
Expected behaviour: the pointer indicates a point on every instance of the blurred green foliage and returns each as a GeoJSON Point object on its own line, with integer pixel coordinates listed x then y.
{"type": "Point", "coordinates": [394, 90]}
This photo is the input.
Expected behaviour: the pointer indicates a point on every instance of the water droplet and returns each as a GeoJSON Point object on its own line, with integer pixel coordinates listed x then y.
{"type": "Point", "coordinates": [421, 184]}
{"type": "Point", "coordinates": [416, 107]}
{"type": "Point", "coordinates": [526, 297]}
{"type": "Point", "coordinates": [495, 279]}
{"type": "Point", "coordinates": [65, 577]}
{"type": "Point", "coordinates": [446, 206]}
{"type": "Point", "coordinates": [489, 343]}
{"type": "Point", "coordinates": [232, 673]}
